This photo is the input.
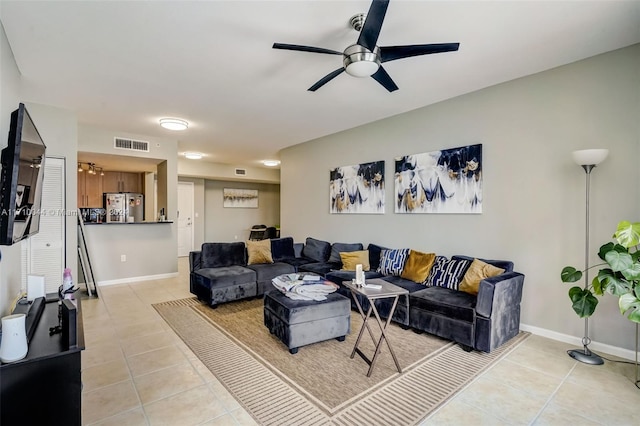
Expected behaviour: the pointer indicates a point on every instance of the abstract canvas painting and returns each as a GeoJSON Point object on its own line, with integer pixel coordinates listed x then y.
{"type": "Point", "coordinates": [240, 198]}
{"type": "Point", "coordinates": [357, 189]}
{"type": "Point", "coordinates": [446, 181]}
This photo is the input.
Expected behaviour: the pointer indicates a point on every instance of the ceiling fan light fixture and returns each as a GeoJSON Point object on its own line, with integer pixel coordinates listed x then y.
{"type": "Point", "coordinates": [174, 123]}
{"type": "Point", "coordinates": [193, 155]}
{"type": "Point", "coordinates": [360, 62]}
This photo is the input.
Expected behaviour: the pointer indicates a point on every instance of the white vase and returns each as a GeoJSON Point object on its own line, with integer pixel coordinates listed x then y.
{"type": "Point", "coordinates": [13, 346]}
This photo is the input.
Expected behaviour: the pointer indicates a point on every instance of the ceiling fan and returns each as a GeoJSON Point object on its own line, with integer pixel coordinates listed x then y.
{"type": "Point", "coordinates": [364, 58]}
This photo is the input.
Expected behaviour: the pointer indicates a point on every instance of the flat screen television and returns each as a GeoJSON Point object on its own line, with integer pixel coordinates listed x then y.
{"type": "Point", "coordinates": [22, 179]}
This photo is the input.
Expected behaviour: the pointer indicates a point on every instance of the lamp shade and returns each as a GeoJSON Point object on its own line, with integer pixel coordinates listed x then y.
{"type": "Point", "coordinates": [590, 157]}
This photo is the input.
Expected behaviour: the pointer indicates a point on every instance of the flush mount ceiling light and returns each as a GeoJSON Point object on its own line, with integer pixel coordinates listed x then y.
{"type": "Point", "coordinates": [174, 124]}
{"type": "Point", "coordinates": [271, 163]}
{"type": "Point", "coordinates": [193, 155]}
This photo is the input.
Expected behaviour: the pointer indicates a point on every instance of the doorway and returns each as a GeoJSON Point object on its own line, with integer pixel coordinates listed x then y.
{"type": "Point", "coordinates": [185, 218]}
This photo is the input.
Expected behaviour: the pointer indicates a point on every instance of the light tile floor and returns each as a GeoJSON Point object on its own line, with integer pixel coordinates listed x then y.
{"type": "Point", "coordinates": [136, 371]}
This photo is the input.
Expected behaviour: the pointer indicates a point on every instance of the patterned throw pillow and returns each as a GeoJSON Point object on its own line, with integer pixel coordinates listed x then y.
{"type": "Point", "coordinates": [392, 261]}
{"type": "Point", "coordinates": [259, 252]}
{"type": "Point", "coordinates": [447, 273]}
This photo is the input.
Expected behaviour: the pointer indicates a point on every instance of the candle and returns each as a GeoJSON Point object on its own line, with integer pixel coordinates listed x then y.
{"type": "Point", "coordinates": [359, 274]}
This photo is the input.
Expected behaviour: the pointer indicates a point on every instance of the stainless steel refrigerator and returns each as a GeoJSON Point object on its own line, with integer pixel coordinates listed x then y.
{"type": "Point", "coordinates": [124, 207]}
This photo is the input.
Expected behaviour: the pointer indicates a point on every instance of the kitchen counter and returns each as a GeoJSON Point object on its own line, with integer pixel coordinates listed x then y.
{"type": "Point", "coordinates": [128, 223]}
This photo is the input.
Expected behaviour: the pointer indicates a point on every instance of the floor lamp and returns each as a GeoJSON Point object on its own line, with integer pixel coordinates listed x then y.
{"type": "Point", "coordinates": [588, 159]}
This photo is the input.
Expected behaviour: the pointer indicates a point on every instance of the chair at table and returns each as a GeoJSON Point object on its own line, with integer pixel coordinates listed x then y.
{"type": "Point", "coordinates": [257, 232]}
{"type": "Point", "coordinates": [271, 232]}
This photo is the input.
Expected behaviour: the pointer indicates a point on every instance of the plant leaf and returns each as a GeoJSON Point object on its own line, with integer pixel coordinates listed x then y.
{"type": "Point", "coordinates": [570, 274]}
{"type": "Point", "coordinates": [631, 304]}
{"type": "Point", "coordinates": [619, 261]}
{"type": "Point", "coordinates": [584, 302]}
{"type": "Point", "coordinates": [613, 283]}
{"type": "Point", "coordinates": [633, 272]}
{"type": "Point", "coordinates": [604, 249]}
{"type": "Point", "coordinates": [628, 234]}
{"type": "Point", "coordinates": [597, 283]}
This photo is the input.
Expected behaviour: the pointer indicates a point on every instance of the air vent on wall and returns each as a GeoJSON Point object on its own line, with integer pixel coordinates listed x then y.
{"type": "Point", "coordinates": [130, 144]}
{"type": "Point", "coordinates": [241, 172]}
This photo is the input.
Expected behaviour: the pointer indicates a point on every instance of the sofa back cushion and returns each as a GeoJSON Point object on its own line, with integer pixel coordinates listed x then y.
{"type": "Point", "coordinates": [316, 250]}
{"type": "Point", "coordinates": [216, 255]}
{"type": "Point", "coordinates": [374, 255]}
{"type": "Point", "coordinates": [282, 248]}
{"type": "Point", "coordinates": [502, 264]}
{"type": "Point", "coordinates": [392, 261]}
{"type": "Point", "coordinates": [447, 272]}
{"type": "Point", "coordinates": [337, 248]}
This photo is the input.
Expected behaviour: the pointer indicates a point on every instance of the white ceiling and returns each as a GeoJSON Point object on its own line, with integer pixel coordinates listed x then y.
{"type": "Point", "coordinates": [124, 65]}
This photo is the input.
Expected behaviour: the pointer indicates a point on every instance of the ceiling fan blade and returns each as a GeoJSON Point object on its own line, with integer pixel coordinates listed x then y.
{"type": "Point", "coordinates": [305, 48]}
{"type": "Point", "coordinates": [372, 24]}
{"type": "Point", "coordinates": [383, 78]}
{"type": "Point", "coordinates": [391, 53]}
{"type": "Point", "coordinates": [324, 80]}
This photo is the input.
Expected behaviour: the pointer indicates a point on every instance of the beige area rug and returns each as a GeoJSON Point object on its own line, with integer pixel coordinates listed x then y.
{"type": "Point", "coordinates": [321, 384]}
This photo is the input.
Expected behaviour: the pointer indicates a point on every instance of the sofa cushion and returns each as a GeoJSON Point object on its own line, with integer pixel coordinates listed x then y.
{"type": "Point", "coordinates": [225, 276]}
{"type": "Point", "coordinates": [408, 285]}
{"type": "Point", "coordinates": [317, 250]}
{"type": "Point", "coordinates": [447, 273]}
{"type": "Point", "coordinates": [282, 248]}
{"type": "Point", "coordinates": [320, 268]}
{"type": "Point", "coordinates": [374, 255]}
{"type": "Point", "coordinates": [337, 248]}
{"type": "Point", "coordinates": [353, 258]}
{"type": "Point", "coordinates": [268, 271]}
{"type": "Point", "coordinates": [418, 266]}
{"type": "Point", "coordinates": [449, 303]}
{"type": "Point", "coordinates": [259, 252]}
{"type": "Point", "coordinates": [503, 264]}
{"type": "Point", "coordinates": [392, 261]}
{"type": "Point", "coordinates": [216, 255]}
{"type": "Point", "coordinates": [477, 272]}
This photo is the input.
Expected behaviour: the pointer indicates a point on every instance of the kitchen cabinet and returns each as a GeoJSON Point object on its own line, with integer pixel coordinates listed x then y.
{"type": "Point", "coordinates": [89, 190]}
{"type": "Point", "coordinates": [122, 182]}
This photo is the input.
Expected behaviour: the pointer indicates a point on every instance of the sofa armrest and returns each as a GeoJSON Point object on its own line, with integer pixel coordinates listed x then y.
{"type": "Point", "coordinates": [498, 293]}
{"type": "Point", "coordinates": [195, 260]}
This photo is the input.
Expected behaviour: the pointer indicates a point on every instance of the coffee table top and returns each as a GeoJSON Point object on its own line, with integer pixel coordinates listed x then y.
{"type": "Point", "coordinates": [387, 289]}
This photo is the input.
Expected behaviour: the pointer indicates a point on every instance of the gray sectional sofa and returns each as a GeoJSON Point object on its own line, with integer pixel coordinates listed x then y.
{"type": "Point", "coordinates": [220, 273]}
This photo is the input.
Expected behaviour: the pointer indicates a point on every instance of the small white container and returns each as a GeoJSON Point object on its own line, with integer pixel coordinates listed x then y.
{"type": "Point", "coordinates": [13, 346]}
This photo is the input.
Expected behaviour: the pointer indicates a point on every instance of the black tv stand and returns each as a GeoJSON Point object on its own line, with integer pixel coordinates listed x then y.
{"type": "Point", "coordinates": [45, 387]}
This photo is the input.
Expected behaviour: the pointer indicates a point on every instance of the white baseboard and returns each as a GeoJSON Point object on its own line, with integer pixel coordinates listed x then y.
{"type": "Point", "coordinates": [135, 279]}
{"type": "Point", "coordinates": [577, 342]}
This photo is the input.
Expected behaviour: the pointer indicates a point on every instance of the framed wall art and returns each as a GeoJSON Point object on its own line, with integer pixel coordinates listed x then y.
{"type": "Point", "coordinates": [240, 198]}
{"type": "Point", "coordinates": [446, 181]}
{"type": "Point", "coordinates": [357, 189]}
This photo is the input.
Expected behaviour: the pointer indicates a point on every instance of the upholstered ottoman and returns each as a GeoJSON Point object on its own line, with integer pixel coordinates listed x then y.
{"type": "Point", "coordinates": [303, 322]}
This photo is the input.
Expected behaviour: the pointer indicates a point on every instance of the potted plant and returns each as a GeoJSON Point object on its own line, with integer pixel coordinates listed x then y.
{"type": "Point", "coordinates": [619, 274]}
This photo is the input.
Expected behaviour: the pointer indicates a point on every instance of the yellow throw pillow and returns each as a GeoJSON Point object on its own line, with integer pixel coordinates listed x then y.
{"type": "Point", "coordinates": [352, 258]}
{"type": "Point", "coordinates": [259, 252]}
{"type": "Point", "coordinates": [477, 272]}
{"type": "Point", "coordinates": [418, 266]}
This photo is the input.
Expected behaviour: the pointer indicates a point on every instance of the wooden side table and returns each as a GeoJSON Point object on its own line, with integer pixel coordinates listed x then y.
{"type": "Point", "coordinates": [387, 290]}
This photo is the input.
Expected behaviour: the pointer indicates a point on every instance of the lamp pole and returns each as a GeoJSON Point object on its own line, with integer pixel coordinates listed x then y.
{"type": "Point", "coordinates": [588, 159]}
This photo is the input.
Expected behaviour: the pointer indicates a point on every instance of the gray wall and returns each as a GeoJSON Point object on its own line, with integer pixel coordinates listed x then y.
{"type": "Point", "coordinates": [534, 206]}
{"type": "Point", "coordinates": [231, 224]}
